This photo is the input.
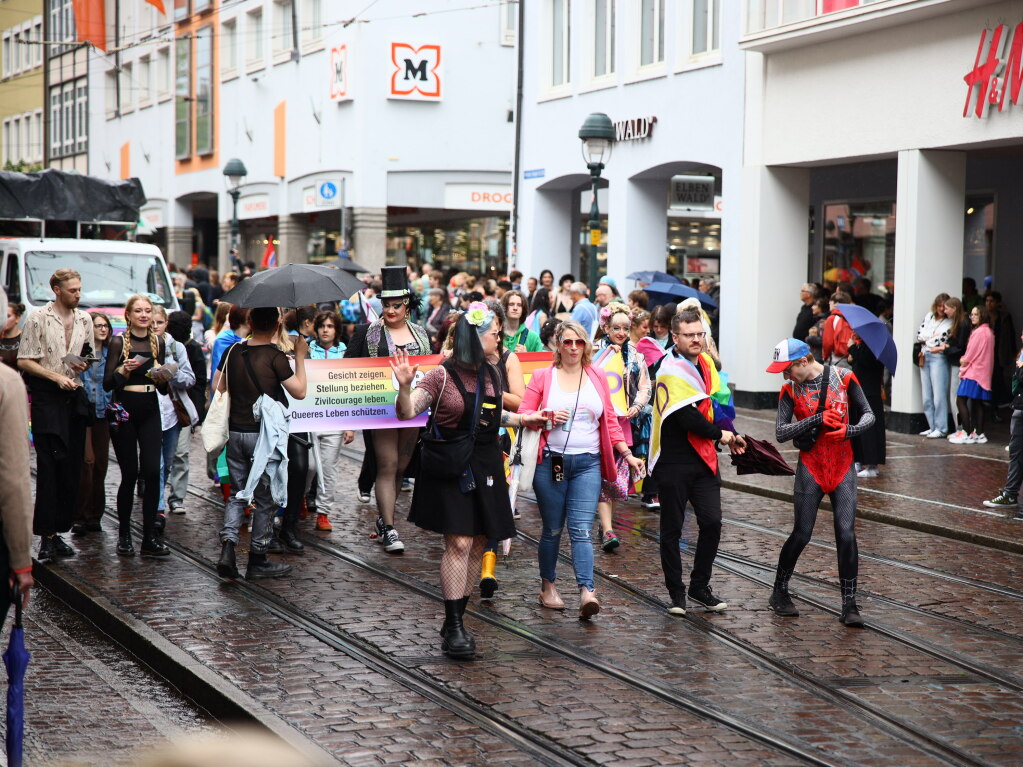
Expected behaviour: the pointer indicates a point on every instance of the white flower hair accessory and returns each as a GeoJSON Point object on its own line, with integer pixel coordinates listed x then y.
{"type": "Point", "coordinates": [479, 315]}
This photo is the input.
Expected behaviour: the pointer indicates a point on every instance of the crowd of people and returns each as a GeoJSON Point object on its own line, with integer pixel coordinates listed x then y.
{"type": "Point", "coordinates": [145, 391]}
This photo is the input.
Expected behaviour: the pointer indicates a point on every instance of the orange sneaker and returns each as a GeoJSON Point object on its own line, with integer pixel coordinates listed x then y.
{"type": "Point", "coordinates": [322, 523]}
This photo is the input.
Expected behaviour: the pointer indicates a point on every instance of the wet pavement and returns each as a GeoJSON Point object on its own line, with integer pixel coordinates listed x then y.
{"type": "Point", "coordinates": [344, 654]}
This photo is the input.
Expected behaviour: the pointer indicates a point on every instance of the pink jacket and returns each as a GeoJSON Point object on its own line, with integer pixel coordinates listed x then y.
{"type": "Point", "coordinates": [978, 361]}
{"type": "Point", "coordinates": [610, 431]}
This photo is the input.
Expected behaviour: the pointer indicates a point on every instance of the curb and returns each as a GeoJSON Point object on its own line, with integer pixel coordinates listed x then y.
{"type": "Point", "coordinates": [986, 540]}
{"type": "Point", "coordinates": [207, 689]}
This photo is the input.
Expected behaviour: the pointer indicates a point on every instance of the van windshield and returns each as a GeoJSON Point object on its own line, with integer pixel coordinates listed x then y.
{"type": "Point", "coordinates": [108, 279]}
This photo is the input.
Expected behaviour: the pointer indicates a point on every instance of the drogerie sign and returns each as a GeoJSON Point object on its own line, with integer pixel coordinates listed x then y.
{"type": "Point", "coordinates": [995, 75]}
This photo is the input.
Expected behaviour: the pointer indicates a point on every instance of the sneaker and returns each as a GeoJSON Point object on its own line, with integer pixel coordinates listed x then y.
{"type": "Point", "coordinates": [1006, 448]}
{"type": "Point", "coordinates": [702, 595]}
{"type": "Point", "coordinates": [1003, 501]}
{"type": "Point", "coordinates": [927, 432]}
{"type": "Point", "coordinates": [323, 524]}
{"type": "Point", "coordinates": [650, 502]}
{"type": "Point", "coordinates": [958, 438]}
{"type": "Point", "coordinates": [177, 510]}
{"type": "Point", "coordinates": [392, 544]}
{"type": "Point", "coordinates": [611, 541]}
{"type": "Point", "coordinates": [363, 497]}
{"type": "Point", "coordinates": [678, 605]}
{"type": "Point", "coordinates": [781, 603]}
{"type": "Point", "coordinates": [980, 439]}
{"type": "Point", "coordinates": [937, 434]}
{"type": "Point", "coordinates": [971, 439]}
{"type": "Point", "coordinates": [406, 485]}
{"type": "Point", "coordinates": [869, 473]}
{"type": "Point", "coordinates": [378, 530]}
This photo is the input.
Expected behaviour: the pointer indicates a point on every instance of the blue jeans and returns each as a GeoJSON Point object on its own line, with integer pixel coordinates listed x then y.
{"type": "Point", "coordinates": [934, 382]}
{"type": "Point", "coordinates": [574, 501]}
{"type": "Point", "coordinates": [170, 444]}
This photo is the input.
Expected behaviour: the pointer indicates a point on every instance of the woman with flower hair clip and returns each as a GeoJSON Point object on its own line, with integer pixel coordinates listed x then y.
{"type": "Point", "coordinates": [616, 327]}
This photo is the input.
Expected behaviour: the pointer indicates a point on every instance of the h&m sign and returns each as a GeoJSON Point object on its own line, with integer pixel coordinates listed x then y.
{"type": "Point", "coordinates": [997, 70]}
{"type": "Point", "coordinates": [635, 129]}
{"type": "Point", "coordinates": [417, 73]}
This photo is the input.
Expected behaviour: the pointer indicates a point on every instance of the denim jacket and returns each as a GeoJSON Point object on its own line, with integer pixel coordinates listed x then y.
{"type": "Point", "coordinates": [92, 381]}
{"type": "Point", "coordinates": [271, 453]}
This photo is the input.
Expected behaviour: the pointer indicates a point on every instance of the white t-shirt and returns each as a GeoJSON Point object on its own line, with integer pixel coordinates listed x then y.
{"type": "Point", "coordinates": [581, 433]}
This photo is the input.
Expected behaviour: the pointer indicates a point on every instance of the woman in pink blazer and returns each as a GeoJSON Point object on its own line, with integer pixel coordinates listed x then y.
{"type": "Point", "coordinates": [975, 368]}
{"type": "Point", "coordinates": [574, 456]}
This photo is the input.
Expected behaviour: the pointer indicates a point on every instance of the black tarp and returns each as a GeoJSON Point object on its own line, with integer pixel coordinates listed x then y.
{"type": "Point", "coordinates": [58, 195]}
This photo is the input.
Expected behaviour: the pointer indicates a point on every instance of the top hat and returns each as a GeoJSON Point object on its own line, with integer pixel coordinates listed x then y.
{"type": "Point", "coordinates": [395, 282]}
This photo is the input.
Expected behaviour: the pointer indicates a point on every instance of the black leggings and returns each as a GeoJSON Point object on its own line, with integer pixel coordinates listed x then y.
{"type": "Point", "coordinates": [971, 414]}
{"type": "Point", "coordinates": [298, 469]}
{"type": "Point", "coordinates": [138, 444]}
{"type": "Point", "coordinates": [808, 496]}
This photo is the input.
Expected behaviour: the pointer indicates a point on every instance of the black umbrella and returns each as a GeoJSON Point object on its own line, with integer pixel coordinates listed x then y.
{"type": "Point", "coordinates": [294, 285]}
{"type": "Point", "coordinates": [760, 457]}
{"type": "Point", "coordinates": [344, 262]}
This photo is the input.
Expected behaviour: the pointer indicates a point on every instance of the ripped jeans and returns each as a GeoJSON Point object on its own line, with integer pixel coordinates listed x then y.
{"type": "Point", "coordinates": [573, 501]}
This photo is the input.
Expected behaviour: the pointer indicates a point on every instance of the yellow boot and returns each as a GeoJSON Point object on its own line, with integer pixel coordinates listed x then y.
{"type": "Point", "coordinates": [488, 583]}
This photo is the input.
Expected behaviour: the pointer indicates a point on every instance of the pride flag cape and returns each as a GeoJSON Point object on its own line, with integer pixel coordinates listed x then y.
{"type": "Point", "coordinates": [533, 322]}
{"type": "Point", "coordinates": [679, 383]}
{"type": "Point", "coordinates": [613, 365]}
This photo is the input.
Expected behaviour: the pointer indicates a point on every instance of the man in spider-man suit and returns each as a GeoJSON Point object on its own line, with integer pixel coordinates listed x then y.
{"type": "Point", "coordinates": [825, 463]}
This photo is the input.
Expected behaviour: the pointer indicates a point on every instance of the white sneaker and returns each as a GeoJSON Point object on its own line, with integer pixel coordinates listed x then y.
{"type": "Point", "coordinates": [1006, 448]}
{"type": "Point", "coordinates": [935, 434]}
{"type": "Point", "coordinates": [959, 438]}
{"type": "Point", "coordinates": [927, 432]}
{"type": "Point", "coordinates": [869, 473]}
{"type": "Point", "coordinates": [980, 439]}
{"type": "Point", "coordinates": [971, 438]}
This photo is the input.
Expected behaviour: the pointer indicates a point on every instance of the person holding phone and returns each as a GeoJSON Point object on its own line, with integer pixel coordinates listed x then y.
{"type": "Point", "coordinates": [574, 456]}
{"type": "Point", "coordinates": [93, 496]}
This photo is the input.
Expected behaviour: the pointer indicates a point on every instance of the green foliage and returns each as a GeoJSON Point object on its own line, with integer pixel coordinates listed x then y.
{"type": "Point", "coordinates": [23, 167]}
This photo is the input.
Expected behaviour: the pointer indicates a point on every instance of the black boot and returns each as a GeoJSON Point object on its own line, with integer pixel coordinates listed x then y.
{"type": "Point", "coordinates": [261, 567]}
{"type": "Point", "coordinates": [47, 552]}
{"type": "Point", "coordinates": [850, 613]}
{"type": "Point", "coordinates": [287, 534]}
{"type": "Point", "coordinates": [125, 547]}
{"type": "Point", "coordinates": [780, 600]}
{"type": "Point", "coordinates": [152, 546]}
{"type": "Point", "coordinates": [458, 643]}
{"type": "Point", "coordinates": [226, 566]}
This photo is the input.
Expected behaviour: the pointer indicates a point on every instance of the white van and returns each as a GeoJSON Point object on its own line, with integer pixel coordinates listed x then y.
{"type": "Point", "coordinates": [111, 270]}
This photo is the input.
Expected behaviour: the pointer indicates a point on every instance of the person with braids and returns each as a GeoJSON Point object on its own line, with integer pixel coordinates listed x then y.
{"type": "Point", "coordinates": [139, 439]}
{"type": "Point", "coordinates": [822, 432]}
{"type": "Point", "coordinates": [469, 509]}
{"type": "Point", "coordinates": [616, 327]}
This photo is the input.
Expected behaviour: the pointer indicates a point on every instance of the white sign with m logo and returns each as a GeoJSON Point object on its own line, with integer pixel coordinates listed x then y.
{"type": "Point", "coordinates": [417, 73]}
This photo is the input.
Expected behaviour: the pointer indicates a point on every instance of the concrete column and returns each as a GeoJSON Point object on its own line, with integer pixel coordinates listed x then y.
{"type": "Point", "coordinates": [637, 229]}
{"type": "Point", "coordinates": [293, 233]}
{"type": "Point", "coordinates": [369, 232]}
{"type": "Point", "coordinates": [548, 238]}
{"type": "Point", "coordinates": [772, 258]}
{"type": "Point", "coordinates": [179, 246]}
{"type": "Point", "coordinates": [928, 261]}
{"type": "Point", "coordinates": [224, 247]}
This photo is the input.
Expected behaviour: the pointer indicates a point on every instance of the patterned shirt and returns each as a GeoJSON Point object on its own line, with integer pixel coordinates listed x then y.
{"type": "Point", "coordinates": [43, 339]}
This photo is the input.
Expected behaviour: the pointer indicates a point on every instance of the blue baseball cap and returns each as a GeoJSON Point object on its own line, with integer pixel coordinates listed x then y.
{"type": "Point", "coordinates": [787, 352]}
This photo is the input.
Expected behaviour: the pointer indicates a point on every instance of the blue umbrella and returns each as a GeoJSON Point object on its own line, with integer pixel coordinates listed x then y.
{"type": "Point", "coordinates": [649, 277]}
{"type": "Point", "coordinates": [662, 292]}
{"type": "Point", "coordinates": [874, 333]}
{"type": "Point", "coordinates": [16, 660]}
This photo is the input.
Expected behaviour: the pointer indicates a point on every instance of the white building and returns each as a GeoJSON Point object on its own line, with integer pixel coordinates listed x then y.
{"type": "Point", "coordinates": [390, 133]}
{"type": "Point", "coordinates": [857, 111]}
{"type": "Point", "coordinates": [669, 73]}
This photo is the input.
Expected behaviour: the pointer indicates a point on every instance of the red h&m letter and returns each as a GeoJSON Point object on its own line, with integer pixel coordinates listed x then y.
{"type": "Point", "coordinates": [981, 74]}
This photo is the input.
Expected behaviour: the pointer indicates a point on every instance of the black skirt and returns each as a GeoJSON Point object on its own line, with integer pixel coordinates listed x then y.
{"type": "Point", "coordinates": [869, 447]}
{"type": "Point", "coordinates": [440, 506]}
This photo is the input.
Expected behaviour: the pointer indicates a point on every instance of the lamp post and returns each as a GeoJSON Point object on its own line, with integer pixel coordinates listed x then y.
{"type": "Point", "coordinates": [597, 135]}
{"type": "Point", "coordinates": [234, 174]}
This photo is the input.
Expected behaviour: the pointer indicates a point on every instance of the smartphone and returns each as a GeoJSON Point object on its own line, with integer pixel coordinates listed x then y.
{"type": "Point", "coordinates": [140, 359]}
{"type": "Point", "coordinates": [466, 482]}
{"type": "Point", "coordinates": [557, 467]}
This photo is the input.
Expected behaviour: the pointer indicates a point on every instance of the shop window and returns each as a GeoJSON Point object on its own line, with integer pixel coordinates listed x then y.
{"type": "Point", "coordinates": [694, 247]}
{"type": "Point", "coordinates": [182, 96]}
{"type": "Point", "coordinates": [475, 245]}
{"type": "Point", "coordinates": [651, 29]}
{"type": "Point", "coordinates": [978, 237]}
{"type": "Point", "coordinates": [204, 91]}
{"type": "Point", "coordinates": [603, 37]}
{"type": "Point", "coordinates": [859, 241]}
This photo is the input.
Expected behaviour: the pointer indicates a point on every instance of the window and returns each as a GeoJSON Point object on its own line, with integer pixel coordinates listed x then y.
{"type": "Point", "coordinates": [181, 10]}
{"type": "Point", "coordinates": [603, 37]}
{"type": "Point", "coordinates": [111, 94]}
{"type": "Point", "coordinates": [198, 6]}
{"type": "Point", "coordinates": [145, 82]}
{"type": "Point", "coordinates": [281, 31]}
{"type": "Point", "coordinates": [56, 122]}
{"type": "Point", "coordinates": [706, 21]}
{"type": "Point", "coordinates": [182, 96]}
{"type": "Point", "coordinates": [229, 48]}
{"type": "Point", "coordinates": [204, 91]}
{"type": "Point", "coordinates": [67, 105]}
{"type": "Point", "coordinates": [651, 47]}
{"type": "Point", "coordinates": [15, 139]}
{"type": "Point", "coordinates": [560, 47]}
{"type": "Point", "coordinates": [7, 54]}
{"type": "Point", "coordinates": [509, 22]}
{"type": "Point", "coordinates": [254, 39]}
{"type": "Point", "coordinates": [127, 88]}
{"type": "Point", "coordinates": [311, 23]}
{"type": "Point", "coordinates": [62, 24]}
{"type": "Point", "coordinates": [82, 113]}
{"type": "Point", "coordinates": [37, 50]}
{"type": "Point", "coordinates": [163, 74]}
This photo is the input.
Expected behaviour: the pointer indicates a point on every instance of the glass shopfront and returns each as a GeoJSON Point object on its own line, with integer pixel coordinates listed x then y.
{"type": "Point", "coordinates": [694, 248]}
{"type": "Point", "coordinates": [859, 241]}
{"type": "Point", "coordinates": [478, 245]}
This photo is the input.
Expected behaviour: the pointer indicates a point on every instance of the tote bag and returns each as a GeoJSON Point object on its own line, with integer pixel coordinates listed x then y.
{"type": "Point", "coordinates": [215, 427]}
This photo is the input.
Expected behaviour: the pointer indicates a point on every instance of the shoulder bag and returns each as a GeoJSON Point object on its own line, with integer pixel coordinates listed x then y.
{"type": "Point", "coordinates": [448, 458]}
{"type": "Point", "coordinates": [808, 439]}
{"type": "Point", "coordinates": [215, 427]}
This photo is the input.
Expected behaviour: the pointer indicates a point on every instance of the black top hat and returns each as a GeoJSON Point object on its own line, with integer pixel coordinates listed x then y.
{"type": "Point", "coordinates": [395, 282]}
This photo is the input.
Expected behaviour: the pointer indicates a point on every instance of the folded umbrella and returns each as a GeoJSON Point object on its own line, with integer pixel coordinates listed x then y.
{"type": "Point", "coordinates": [16, 660]}
{"type": "Point", "coordinates": [663, 292]}
{"type": "Point", "coordinates": [874, 332]}
{"type": "Point", "coordinates": [761, 457]}
{"type": "Point", "coordinates": [649, 277]}
{"type": "Point", "coordinates": [294, 285]}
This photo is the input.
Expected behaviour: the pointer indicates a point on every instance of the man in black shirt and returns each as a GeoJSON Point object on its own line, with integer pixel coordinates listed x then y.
{"type": "Point", "coordinates": [685, 466]}
{"type": "Point", "coordinates": [805, 318]}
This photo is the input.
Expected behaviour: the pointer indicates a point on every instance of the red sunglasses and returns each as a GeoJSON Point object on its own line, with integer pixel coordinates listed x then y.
{"type": "Point", "coordinates": [577, 342]}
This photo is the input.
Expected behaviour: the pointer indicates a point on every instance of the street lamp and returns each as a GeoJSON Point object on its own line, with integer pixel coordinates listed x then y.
{"type": "Point", "coordinates": [597, 135]}
{"type": "Point", "coordinates": [234, 174]}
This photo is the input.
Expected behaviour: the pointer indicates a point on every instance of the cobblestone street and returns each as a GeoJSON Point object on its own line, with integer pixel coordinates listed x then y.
{"type": "Point", "coordinates": [342, 657]}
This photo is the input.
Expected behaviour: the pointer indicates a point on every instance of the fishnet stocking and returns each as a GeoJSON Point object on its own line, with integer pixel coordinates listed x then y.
{"type": "Point", "coordinates": [460, 564]}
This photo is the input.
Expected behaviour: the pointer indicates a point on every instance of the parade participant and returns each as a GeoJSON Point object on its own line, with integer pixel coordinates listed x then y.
{"type": "Point", "coordinates": [574, 456]}
{"type": "Point", "coordinates": [934, 372]}
{"type": "Point", "coordinates": [138, 439]}
{"type": "Point", "coordinates": [392, 448]}
{"type": "Point", "coordinates": [660, 326]}
{"type": "Point", "coordinates": [563, 295]}
{"type": "Point", "coordinates": [179, 328]}
{"type": "Point", "coordinates": [237, 329]}
{"type": "Point", "coordinates": [92, 492]}
{"type": "Point", "coordinates": [687, 420]}
{"type": "Point", "coordinates": [837, 333]}
{"type": "Point", "coordinates": [583, 310]}
{"type": "Point", "coordinates": [517, 337]}
{"type": "Point", "coordinates": [821, 432]}
{"type": "Point", "coordinates": [869, 449]}
{"type": "Point", "coordinates": [10, 339]}
{"type": "Point", "coordinates": [975, 369]}
{"type": "Point", "coordinates": [547, 280]}
{"type": "Point", "coordinates": [616, 324]}
{"type": "Point", "coordinates": [641, 423]}
{"type": "Point", "coordinates": [467, 510]}
{"type": "Point", "coordinates": [255, 371]}
{"type": "Point", "coordinates": [60, 411]}
{"type": "Point", "coordinates": [539, 308]}
{"type": "Point", "coordinates": [437, 311]}
{"type": "Point", "coordinates": [327, 444]}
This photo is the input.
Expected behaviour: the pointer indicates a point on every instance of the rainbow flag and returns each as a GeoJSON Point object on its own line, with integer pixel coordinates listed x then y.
{"type": "Point", "coordinates": [613, 365]}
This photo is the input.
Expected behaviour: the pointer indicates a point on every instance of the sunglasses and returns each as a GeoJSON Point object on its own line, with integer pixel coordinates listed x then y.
{"type": "Point", "coordinates": [573, 342]}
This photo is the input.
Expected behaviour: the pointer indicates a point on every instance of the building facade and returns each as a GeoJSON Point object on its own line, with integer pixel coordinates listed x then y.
{"type": "Point", "coordinates": [881, 138]}
{"type": "Point", "coordinates": [21, 84]}
{"type": "Point", "coordinates": [389, 134]}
